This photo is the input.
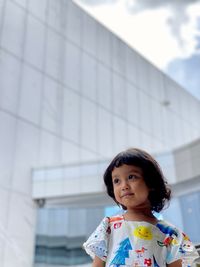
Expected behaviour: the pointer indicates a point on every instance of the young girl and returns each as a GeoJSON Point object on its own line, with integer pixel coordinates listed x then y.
{"type": "Point", "coordinates": [135, 181]}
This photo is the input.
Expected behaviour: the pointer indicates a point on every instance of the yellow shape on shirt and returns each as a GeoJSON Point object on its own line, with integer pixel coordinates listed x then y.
{"type": "Point", "coordinates": [143, 232]}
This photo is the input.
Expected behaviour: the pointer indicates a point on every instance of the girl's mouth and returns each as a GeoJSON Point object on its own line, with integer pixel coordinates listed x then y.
{"type": "Point", "coordinates": [127, 195]}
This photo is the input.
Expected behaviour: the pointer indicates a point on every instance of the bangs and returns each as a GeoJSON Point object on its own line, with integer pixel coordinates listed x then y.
{"type": "Point", "coordinates": [126, 158]}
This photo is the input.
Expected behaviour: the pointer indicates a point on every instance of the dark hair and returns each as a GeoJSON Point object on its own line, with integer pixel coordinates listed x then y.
{"type": "Point", "coordinates": [159, 193]}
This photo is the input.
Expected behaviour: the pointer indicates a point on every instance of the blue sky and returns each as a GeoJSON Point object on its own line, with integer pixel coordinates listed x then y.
{"type": "Point", "coordinates": [167, 33]}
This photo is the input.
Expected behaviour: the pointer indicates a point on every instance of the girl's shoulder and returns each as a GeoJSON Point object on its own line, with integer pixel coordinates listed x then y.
{"type": "Point", "coordinates": [178, 243]}
{"type": "Point", "coordinates": [174, 235]}
{"type": "Point", "coordinates": [167, 228]}
{"type": "Point", "coordinates": [115, 218]}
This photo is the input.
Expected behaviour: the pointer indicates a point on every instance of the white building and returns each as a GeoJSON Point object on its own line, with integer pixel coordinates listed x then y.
{"type": "Point", "coordinates": [71, 92]}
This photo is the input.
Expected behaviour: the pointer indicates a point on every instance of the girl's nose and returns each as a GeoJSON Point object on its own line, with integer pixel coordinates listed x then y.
{"type": "Point", "coordinates": [125, 185]}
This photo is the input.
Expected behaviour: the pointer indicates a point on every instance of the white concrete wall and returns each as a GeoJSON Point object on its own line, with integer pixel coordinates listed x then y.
{"type": "Point", "coordinates": [71, 91]}
{"type": "Point", "coordinates": [187, 161]}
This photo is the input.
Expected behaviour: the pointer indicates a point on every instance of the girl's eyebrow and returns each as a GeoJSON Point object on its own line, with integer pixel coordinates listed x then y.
{"type": "Point", "coordinates": [115, 176]}
{"type": "Point", "coordinates": [135, 171]}
{"type": "Point", "coordinates": [129, 171]}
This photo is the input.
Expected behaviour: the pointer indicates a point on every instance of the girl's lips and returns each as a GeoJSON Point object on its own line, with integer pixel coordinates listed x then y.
{"type": "Point", "coordinates": [127, 194]}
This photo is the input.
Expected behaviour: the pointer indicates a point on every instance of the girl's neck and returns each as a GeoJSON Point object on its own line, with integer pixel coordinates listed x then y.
{"type": "Point", "coordinates": [135, 215]}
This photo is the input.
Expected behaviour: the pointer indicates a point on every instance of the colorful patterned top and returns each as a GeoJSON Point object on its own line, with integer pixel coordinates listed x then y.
{"type": "Point", "coordinates": [131, 243]}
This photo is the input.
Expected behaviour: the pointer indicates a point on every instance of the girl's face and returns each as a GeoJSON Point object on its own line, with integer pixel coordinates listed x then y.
{"type": "Point", "coordinates": [130, 188]}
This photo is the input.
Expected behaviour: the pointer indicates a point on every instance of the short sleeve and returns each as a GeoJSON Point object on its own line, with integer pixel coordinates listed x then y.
{"type": "Point", "coordinates": [97, 243]}
{"type": "Point", "coordinates": [181, 248]}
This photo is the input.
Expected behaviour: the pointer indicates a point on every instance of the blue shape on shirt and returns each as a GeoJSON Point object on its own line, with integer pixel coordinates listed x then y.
{"type": "Point", "coordinates": [122, 253]}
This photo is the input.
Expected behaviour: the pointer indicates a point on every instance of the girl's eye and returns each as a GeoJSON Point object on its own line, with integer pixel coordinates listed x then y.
{"type": "Point", "coordinates": [131, 176]}
{"type": "Point", "coordinates": [116, 181]}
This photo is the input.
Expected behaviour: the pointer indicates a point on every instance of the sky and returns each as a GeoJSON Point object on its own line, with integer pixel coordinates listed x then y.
{"type": "Point", "coordinates": [167, 33]}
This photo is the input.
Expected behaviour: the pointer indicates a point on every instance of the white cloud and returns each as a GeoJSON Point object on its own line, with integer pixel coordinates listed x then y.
{"type": "Point", "coordinates": [160, 34]}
